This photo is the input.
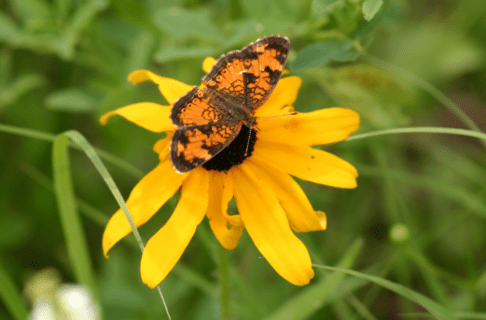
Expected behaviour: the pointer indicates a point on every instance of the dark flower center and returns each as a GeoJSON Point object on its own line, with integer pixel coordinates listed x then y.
{"type": "Point", "coordinates": [234, 153]}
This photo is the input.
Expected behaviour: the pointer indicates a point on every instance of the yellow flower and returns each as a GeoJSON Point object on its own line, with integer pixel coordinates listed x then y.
{"type": "Point", "coordinates": [271, 205]}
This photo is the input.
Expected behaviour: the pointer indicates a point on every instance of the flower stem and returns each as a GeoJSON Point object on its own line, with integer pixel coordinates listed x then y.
{"type": "Point", "coordinates": [224, 282]}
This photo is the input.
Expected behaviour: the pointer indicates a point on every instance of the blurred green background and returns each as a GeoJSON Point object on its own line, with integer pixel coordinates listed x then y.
{"type": "Point", "coordinates": [417, 218]}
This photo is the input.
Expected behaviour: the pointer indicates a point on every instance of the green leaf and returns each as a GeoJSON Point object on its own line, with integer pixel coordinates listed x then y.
{"type": "Point", "coordinates": [19, 87]}
{"type": "Point", "coordinates": [71, 100]}
{"type": "Point", "coordinates": [324, 52]}
{"type": "Point", "coordinates": [134, 12]}
{"type": "Point", "coordinates": [11, 34]}
{"type": "Point", "coordinates": [370, 8]}
{"type": "Point", "coordinates": [141, 51]}
{"type": "Point", "coordinates": [62, 8]}
{"type": "Point", "coordinates": [76, 244]}
{"type": "Point", "coordinates": [376, 94]}
{"type": "Point", "coordinates": [241, 32]}
{"type": "Point", "coordinates": [61, 41]}
{"type": "Point", "coordinates": [366, 27]}
{"type": "Point", "coordinates": [81, 19]}
{"type": "Point", "coordinates": [314, 296]}
{"type": "Point", "coordinates": [11, 297]}
{"type": "Point", "coordinates": [170, 54]}
{"type": "Point", "coordinates": [8, 29]}
{"type": "Point", "coordinates": [30, 10]}
{"type": "Point", "coordinates": [270, 13]}
{"type": "Point", "coordinates": [301, 9]}
{"type": "Point", "coordinates": [84, 14]}
{"type": "Point", "coordinates": [432, 307]}
{"type": "Point", "coordinates": [179, 23]}
{"type": "Point", "coordinates": [322, 5]}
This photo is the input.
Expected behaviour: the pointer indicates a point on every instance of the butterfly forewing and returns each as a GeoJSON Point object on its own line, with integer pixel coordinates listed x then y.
{"type": "Point", "coordinates": [248, 76]}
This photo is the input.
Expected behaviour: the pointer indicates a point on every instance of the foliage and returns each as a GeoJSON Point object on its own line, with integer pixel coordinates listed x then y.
{"type": "Point", "coordinates": [410, 239]}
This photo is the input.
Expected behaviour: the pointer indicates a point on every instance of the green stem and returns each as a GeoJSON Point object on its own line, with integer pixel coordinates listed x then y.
{"type": "Point", "coordinates": [433, 91]}
{"type": "Point", "coordinates": [454, 131]}
{"type": "Point", "coordinates": [224, 281]}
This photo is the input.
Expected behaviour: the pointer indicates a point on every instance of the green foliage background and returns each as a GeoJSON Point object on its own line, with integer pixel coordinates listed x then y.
{"type": "Point", "coordinates": [64, 63]}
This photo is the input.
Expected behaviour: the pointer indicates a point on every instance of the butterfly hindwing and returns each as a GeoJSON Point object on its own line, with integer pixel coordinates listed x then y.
{"type": "Point", "coordinates": [192, 146]}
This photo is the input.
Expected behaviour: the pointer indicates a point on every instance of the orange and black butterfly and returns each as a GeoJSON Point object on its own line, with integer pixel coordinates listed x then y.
{"type": "Point", "coordinates": [208, 119]}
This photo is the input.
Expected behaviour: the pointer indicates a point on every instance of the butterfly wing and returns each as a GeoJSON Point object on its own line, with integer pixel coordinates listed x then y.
{"type": "Point", "coordinates": [203, 129]}
{"type": "Point", "coordinates": [247, 77]}
{"type": "Point", "coordinates": [192, 146]}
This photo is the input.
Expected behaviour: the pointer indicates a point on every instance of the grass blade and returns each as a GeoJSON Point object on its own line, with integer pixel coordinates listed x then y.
{"type": "Point", "coordinates": [79, 140]}
{"type": "Point", "coordinates": [315, 297]}
{"type": "Point", "coordinates": [76, 244]}
{"type": "Point", "coordinates": [454, 131]}
{"type": "Point", "coordinates": [467, 199]}
{"type": "Point", "coordinates": [30, 133]}
{"type": "Point", "coordinates": [433, 307]}
{"type": "Point", "coordinates": [90, 152]}
{"type": "Point", "coordinates": [11, 297]}
{"type": "Point", "coordinates": [433, 91]}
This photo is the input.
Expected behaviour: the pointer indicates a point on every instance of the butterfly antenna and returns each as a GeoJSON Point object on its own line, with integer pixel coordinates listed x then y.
{"type": "Point", "coordinates": [248, 142]}
{"type": "Point", "coordinates": [281, 115]}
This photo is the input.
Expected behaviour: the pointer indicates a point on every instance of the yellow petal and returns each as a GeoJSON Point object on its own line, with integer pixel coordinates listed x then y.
{"type": "Point", "coordinates": [144, 201]}
{"type": "Point", "coordinates": [293, 200]}
{"type": "Point", "coordinates": [171, 89]}
{"type": "Point", "coordinates": [268, 227]}
{"type": "Point", "coordinates": [208, 63]}
{"type": "Point", "coordinates": [162, 147]}
{"type": "Point", "coordinates": [318, 127]}
{"type": "Point", "coordinates": [148, 115]}
{"type": "Point", "coordinates": [227, 229]}
{"type": "Point", "coordinates": [138, 76]}
{"type": "Point", "coordinates": [306, 163]}
{"type": "Point", "coordinates": [284, 94]}
{"type": "Point", "coordinates": [322, 218]}
{"type": "Point", "coordinates": [165, 248]}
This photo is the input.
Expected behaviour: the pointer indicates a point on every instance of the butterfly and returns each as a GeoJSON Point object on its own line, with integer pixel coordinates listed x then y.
{"type": "Point", "coordinates": [207, 119]}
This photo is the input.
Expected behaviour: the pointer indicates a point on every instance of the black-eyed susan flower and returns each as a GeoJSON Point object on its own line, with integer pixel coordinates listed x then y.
{"type": "Point", "coordinates": [255, 169]}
